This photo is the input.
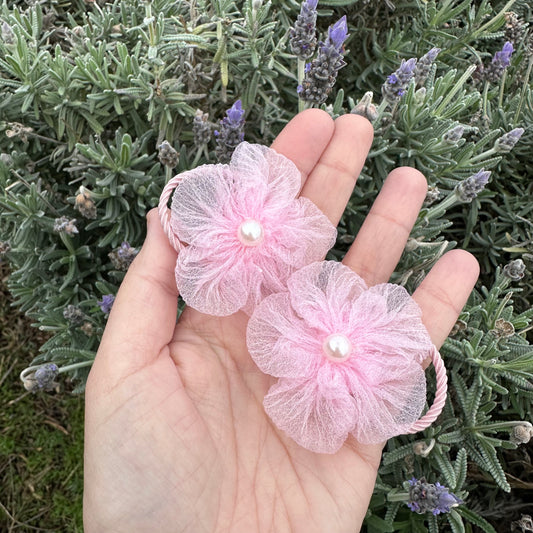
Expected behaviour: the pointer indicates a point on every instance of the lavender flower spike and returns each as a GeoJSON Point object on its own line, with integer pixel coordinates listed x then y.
{"type": "Point", "coordinates": [501, 60]}
{"type": "Point", "coordinates": [41, 379]}
{"type": "Point", "coordinates": [107, 303]}
{"type": "Point", "coordinates": [123, 256]}
{"type": "Point", "coordinates": [45, 375]}
{"type": "Point", "coordinates": [394, 88]}
{"type": "Point", "coordinates": [507, 141]}
{"type": "Point", "coordinates": [231, 132]}
{"type": "Point", "coordinates": [201, 128]}
{"type": "Point", "coordinates": [469, 188]}
{"type": "Point", "coordinates": [303, 34]}
{"type": "Point", "coordinates": [423, 65]}
{"type": "Point", "coordinates": [428, 497]}
{"type": "Point", "coordinates": [168, 156]}
{"type": "Point", "coordinates": [321, 73]}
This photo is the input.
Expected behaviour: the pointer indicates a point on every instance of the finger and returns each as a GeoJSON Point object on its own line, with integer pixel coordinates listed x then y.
{"type": "Point", "coordinates": [382, 237]}
{"type": "Point", "coordinates": [143, 316]}
{"type": "Point", "coordinates": [332, 180]}
{"type": "Point", "coordinates": [444, 292]}
{"type": "Point", "coordinates": [304, 139]}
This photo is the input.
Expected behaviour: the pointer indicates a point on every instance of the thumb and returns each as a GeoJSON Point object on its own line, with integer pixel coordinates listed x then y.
{"type": "Point", "coordinates": [143, 316]}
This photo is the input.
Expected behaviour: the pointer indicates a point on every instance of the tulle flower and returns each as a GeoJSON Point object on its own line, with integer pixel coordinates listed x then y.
{"type": "Point", "coordinates": [348, 358]}
{"type": "Point", "coordinates": [246, 229]}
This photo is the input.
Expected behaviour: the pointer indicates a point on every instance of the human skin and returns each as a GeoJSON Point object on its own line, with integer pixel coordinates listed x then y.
{"type": "Point", "coordinates": [176, 438]}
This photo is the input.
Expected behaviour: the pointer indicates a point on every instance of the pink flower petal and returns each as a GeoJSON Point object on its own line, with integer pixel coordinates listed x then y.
{"type": "Point", "coordinates": [386, 320]}
{"type": "Point", "coordinates": [279, 342]}
{"type": "Point", "coordinates": [256, 163]}
{"type": "Point", "coordinates": [304, 234]}
{"type": "Point", "coordinates": [323, 293]}
{"type": "Point", "coordinates": [211, 282]}
{"type": "Point", "coordinates": [389, 397]}
{"type": "Point", "coordinates": [318, 424]}
{"type": "Point", "coordinates": [200, 201]}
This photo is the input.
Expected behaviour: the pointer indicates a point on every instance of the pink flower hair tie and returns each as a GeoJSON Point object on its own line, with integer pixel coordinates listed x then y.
{"type": "Point", "coordinates": [245, 228]}
{"type": "Point", "coordinates": [348, 358]}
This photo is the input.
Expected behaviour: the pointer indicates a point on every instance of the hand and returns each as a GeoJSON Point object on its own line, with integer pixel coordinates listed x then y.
{"type": "Point", "coordinates": [176, 437]}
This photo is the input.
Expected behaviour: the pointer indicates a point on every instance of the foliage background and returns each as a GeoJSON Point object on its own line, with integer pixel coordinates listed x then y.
{"type": "Point", "coordinates": [89, 90]}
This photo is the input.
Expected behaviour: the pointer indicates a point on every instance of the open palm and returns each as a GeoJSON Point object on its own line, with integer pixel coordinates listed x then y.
{"type": "Point", "coordinates": [176, 436]}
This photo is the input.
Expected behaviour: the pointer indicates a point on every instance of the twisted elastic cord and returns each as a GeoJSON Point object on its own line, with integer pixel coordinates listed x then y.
{"type": "Point", "coordinates": [164, 212]}
{"type": "Point", "coordinates": [440, 396]}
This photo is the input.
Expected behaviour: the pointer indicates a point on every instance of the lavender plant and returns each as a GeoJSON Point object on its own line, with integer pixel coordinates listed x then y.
{"type": "Point", "coordinates": [101, 104]}
{"type": "Point", "coordinates": [321, 73]}
{"type": "Point", "coordinates": [231, 132]}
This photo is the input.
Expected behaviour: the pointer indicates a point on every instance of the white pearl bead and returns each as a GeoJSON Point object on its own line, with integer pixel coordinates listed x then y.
{"type": "Point", "coordinates": [337, 347]}
{"type": "Point", "coordinates": [250, 232]}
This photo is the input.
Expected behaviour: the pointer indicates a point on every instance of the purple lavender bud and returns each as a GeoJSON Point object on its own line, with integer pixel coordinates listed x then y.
{"type": "Point", "coordinates": [321, 74]}
{"type": "Point", "coordinates": [123, 256]}
{"type": "Point", "coordinates": [107, 303]}
{"type": "Point", "coordinates": [231, 132]}
{"type": "Point", "coordinates": [44, 376]}
{"type": "Point", "coordinates": [338, 33]}
{"type": "Point", "coordinates": [470, 187]}
{"type": "Point", "coordinates": [446, 500]}
{"type": "Point", "coordinates": [503, 58]}
{"type": "Point", "coordinates": [303, 34]}
{"type": "Point", "coordinates": [431, 55]}
{"type": "Point", "coordinates": [454, 135]}
{"type": "Point", "coordinates": [235, 113]}
{"type": "Point", "coordinates": [423, 65]}
{"type": "Point", "coordinates": [395, 86]}
{"type": "Point", "coordinates": [508, 140]}
{"type": "Point", "coordinates": [428, 497]}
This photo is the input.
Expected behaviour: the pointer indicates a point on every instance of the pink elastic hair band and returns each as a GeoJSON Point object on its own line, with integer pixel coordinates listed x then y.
{"type": "Point", "coordinates": [165, 213]}
{"type": "Point", "coordinates": [440, 395]}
